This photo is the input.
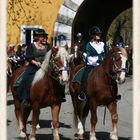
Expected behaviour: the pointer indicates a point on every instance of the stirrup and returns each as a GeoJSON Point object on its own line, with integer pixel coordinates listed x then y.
{"type": "Point", "coordinates": [82, 98]}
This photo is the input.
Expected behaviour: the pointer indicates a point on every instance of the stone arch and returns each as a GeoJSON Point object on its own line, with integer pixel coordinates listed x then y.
{"type": "Point", "coordinates": [76, 17]}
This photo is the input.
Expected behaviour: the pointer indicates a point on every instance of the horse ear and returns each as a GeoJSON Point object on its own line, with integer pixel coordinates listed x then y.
{"type": "Point", "coordinates": [54, 49]}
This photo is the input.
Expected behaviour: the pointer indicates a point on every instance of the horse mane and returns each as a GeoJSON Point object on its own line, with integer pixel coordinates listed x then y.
{"type": "Point", "coordinates": [44, 68]}
{"type": "Point", "coordinates": [62, 53]}
{"type": "Point", "coordinates": [111, 51]}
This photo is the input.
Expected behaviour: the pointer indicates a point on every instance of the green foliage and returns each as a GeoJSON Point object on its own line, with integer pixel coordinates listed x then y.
{"type": "Point", "coordinates": [125, 30]}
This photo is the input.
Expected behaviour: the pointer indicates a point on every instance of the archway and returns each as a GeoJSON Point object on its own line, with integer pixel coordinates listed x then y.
{"type": "Point", "coordinates": [97, 12]}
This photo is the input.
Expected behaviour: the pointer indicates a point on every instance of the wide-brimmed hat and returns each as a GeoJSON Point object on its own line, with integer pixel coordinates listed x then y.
{"type": "Point", "coordinates": [38, 32]}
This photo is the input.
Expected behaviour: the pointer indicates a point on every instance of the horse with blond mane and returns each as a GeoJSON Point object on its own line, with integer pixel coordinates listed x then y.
{"type": "Point", "coordinates": [46, 90]}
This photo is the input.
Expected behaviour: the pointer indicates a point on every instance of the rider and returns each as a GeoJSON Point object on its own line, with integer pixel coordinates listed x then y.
{"type": "Point", "coordinates": [20, 54]}
{"type": "Point", "coordinates": [118, 42]}
{"type": "Point", "coordinates": [80, 42]}
{"type": "Point", "coordinates": [95, 52]}
{"type": "Point", "coordinates": [62, 40]}
{"type": "Point", "coordinates": [35, 54]}
{"type": "Point", "coordinates": [11, 52]}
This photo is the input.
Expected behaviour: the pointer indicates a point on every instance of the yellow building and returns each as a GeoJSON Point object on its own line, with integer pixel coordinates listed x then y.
{"type": "Point", "coordinates": [25, 15]}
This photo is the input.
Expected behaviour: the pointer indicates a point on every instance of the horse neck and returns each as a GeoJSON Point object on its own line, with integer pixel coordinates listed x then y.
{"type": "Point", "coordinates": [107, 64]}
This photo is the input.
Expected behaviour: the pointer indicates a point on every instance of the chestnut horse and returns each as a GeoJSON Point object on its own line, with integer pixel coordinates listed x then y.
{"type": "Point", "coordinates": [46, 90]}
{"type": "Point", "coordinates": [102, 90]}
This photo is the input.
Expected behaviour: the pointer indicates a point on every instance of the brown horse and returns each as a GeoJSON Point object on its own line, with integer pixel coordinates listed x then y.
{"type": "Point", "coordinates": [46, 90]}
{"type": "Point", "coordinates": [101, 90]}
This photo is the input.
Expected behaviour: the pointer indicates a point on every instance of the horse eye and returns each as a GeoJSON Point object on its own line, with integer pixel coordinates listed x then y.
{"type": "Point", "coordinates": [118, 59]}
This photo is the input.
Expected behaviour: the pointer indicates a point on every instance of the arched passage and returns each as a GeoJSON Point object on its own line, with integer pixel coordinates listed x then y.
{"type": "Point", "coordinates": [97, 12]}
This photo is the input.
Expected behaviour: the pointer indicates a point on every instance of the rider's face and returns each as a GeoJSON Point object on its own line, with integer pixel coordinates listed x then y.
{"type": "Point", "coordinates": [42, 38]}
{"type": "Point", "coordinates": [97, 36]}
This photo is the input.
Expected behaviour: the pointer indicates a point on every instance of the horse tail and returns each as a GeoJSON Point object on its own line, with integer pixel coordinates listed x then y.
{"type": "Point", "coordinates": [80, 113]}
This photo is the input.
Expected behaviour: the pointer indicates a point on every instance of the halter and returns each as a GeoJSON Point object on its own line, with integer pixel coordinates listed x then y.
{"type": "Point", "coordinates": [56, 70]}
{"type": "Point", "coordinates": [116, 69]}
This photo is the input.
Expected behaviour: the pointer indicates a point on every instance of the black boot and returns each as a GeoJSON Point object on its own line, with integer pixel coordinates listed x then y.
{"type": "Point", "coordinates": [63, 99]}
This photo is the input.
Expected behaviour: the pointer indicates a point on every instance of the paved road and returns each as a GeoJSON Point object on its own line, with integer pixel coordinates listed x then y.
{"type": "Point", "coordinates": [66, 119]}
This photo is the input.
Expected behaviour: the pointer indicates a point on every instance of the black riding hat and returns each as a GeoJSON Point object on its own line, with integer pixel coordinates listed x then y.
{"type": "Point", "coordinates": [38, 32]}
{"type": "Point", "coordinates": [95, 30]}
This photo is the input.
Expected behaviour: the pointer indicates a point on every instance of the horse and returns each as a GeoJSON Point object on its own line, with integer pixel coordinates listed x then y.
{"type": "Point", "coordinates": [101, 90]}
{"type": "Point", "coordinates": [46, 90]}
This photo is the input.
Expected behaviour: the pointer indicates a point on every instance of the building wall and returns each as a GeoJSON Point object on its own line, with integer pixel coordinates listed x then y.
{"type": "Point", "coordinates": [66, 15]}
{"type": "Point", "coordinates": [36, 12]}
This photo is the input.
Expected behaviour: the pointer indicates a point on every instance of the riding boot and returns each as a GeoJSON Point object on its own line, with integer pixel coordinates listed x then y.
{"type": "Point", "coordinates": [63, 99]}
{"type": "Point", "coordinates": [82, 94]}
{"type": "Point", "coordinates": [63, 95]}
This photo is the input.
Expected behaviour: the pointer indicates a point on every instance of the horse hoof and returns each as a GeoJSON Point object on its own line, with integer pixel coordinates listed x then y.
{"type": "Point", "coordinates": [56, 137]}
{"type": "Point", "coordinates": [113, 136]}
{"type": "Point", "coordinates": [93, 138]}
{"type": "Point", "coordinates": [32, 138]}
{"type": "Point", "coordinates": [22, 135]}
{"type": "Point", "coordinates": [38, 126]}
{"type": "Point", "coordinates": [81, 137]}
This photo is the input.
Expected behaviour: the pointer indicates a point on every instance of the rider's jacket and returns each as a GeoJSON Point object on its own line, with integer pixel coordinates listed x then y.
{"type": "Point", "coordinates": [94, 53]}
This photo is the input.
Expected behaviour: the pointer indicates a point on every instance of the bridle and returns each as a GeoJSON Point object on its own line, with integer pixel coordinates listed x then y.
{"type": "Point", "coordinates": [116, 69]}
{"type": "Point", "coordinates": [56, 70]}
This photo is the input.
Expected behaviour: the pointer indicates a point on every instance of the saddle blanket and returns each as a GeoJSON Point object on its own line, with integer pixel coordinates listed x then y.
{"type": "Point", "coordinates": [78, 76]}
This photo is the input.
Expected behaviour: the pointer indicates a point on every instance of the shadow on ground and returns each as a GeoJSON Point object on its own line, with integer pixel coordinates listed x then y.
{"type": "Point", "coordinates": [10, 102]}
{"type": "Point", "coordinates": [47, 124]}
{"type": "Point", "coordinates": [103, 136]}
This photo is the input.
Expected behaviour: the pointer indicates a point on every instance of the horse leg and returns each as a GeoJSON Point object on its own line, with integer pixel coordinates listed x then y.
{"type": "Point", "coordinates": [35, 118]}
{"type": "Point", "coordinates": [55, 120]}
{"type": "Point", "coordinates": [18, 113]}
{"type": "Point", "coordinates": [77, 117]}
{"type": "Point", "coordinates": [81, 117]}
{"type": "Point", "coordinates": [112, 107]}
{"type": "Point", "coordinates": [93, 110]}
{"type": "Point", "coordinates": [25, 114]}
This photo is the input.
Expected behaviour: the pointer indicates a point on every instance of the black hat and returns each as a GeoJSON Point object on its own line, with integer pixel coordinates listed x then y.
{"type": "Point", "coordinates": [40, 32]}
{"type": "Point", "coordinates": [95, 30]}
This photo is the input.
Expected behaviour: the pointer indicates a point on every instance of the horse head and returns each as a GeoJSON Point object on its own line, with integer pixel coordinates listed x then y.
{"type": "Point", "coordinates": [119, 58]}
{"type": "Point", "coordinates": [61, 65]}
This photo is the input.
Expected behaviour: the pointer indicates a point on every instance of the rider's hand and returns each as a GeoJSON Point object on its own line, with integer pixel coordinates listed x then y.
{"type": "Point", "coordinates": [38, 64]}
